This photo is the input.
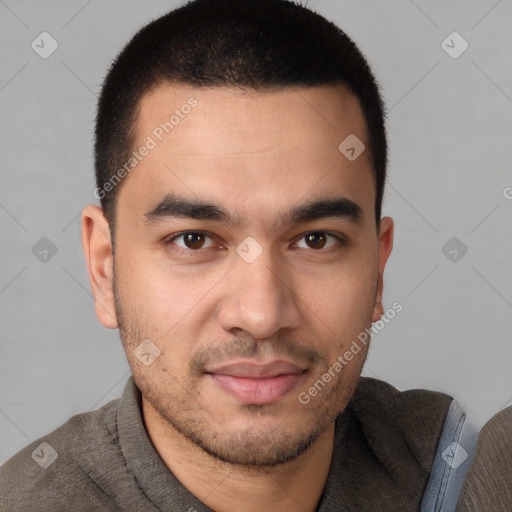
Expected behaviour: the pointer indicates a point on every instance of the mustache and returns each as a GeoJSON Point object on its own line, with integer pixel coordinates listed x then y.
{"type": "Point", "coordinates": [250, 348]}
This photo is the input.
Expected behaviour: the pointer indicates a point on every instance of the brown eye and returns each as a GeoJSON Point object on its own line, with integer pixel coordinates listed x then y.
{"type": "Point", "coordinates": [191, 240]}
{"type": "Point", "coordinates": [194, 240]}
{"type": "Point", "coordinates": [319, 240]}
{"type": "Point", "coordinates": [316, 240]}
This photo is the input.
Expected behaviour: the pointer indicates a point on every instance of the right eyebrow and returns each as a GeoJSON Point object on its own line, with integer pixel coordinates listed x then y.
{"type": "Point", "coordinates": [174, 206]}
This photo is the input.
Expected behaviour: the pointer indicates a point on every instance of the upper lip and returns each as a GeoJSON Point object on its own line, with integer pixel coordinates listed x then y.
{"type": "Point", "coordinates": [257, 371]}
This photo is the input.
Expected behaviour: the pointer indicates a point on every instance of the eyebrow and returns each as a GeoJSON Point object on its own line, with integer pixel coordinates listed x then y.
{"type": "Point", "coordinates": [173, 206]}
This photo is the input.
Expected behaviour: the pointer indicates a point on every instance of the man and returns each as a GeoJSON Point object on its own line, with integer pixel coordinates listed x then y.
{"type": "Point", "coordinates": [240, 250]}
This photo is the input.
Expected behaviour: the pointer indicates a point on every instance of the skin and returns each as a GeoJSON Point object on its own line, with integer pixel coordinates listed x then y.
{"type": "Point", "coordinates": [256, 155]}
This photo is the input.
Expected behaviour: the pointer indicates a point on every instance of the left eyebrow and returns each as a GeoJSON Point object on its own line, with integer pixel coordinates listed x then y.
{"type": "Point", "coordinates": [172, 206]}
{"type": "Point", "coordinates": [337, 207]}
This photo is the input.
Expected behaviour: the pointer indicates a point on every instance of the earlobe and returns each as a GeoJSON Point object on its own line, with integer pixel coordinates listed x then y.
{"type": "Point", "coordinates": [385, 247]}
{"type": "Point", "coordinates": [97, 246]}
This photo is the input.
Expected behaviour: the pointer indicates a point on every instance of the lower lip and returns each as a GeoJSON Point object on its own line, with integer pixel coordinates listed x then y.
{"type": "Point", "coordinates": [257, 391]}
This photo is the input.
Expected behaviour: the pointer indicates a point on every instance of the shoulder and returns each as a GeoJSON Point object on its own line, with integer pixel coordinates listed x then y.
{"type": "Point", "coordinates": [385, 446]}
{"type": "Point", "coordinates": [406, 407]}
{"type": "Point", "coordinates": [396, 422]}
{"type": "Point", "coordinates": [54, 469]}
{"type": "Point", "coordinates": [488, 485]}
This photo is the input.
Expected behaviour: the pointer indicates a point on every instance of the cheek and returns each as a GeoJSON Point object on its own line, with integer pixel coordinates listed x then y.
{"type": "Point", "coordinates": [342, 306]}
{"type": "Point", "coordinates": [149, 286]}
{"type": "Point", "coordinates": [344, 293]}
{"type": "Point", "coordinates": [167, 305]}
{"type": "Point", "coordinates": [344, 310]}
{"type": "Point", "coordinates": [144, 296]}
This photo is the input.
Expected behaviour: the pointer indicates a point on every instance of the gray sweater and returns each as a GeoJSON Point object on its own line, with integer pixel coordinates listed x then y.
{"type": "Point", "coordinates": [385, 444]}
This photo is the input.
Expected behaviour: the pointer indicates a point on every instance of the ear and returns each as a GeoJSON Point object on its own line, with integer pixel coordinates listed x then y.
{"type": "Point", "coordinates": [386, 226]}
{"type": "Point", "coordinates": [97, 245]}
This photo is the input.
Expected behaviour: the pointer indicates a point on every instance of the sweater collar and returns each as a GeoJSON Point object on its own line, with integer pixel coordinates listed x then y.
{"type": "Point", "coordinates": [149, 471]}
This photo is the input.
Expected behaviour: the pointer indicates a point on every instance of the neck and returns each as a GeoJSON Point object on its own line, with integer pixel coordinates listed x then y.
{"type": "Point", "coordinates": [296, 485]}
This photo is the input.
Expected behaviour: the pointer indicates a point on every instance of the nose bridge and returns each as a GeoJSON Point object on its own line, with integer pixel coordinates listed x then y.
{"type": "Point", "coordinates": [261, 276]}
{"type": "Point", "coordinates": [259, 299]}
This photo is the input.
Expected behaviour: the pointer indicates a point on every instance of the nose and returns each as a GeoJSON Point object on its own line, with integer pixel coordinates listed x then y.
{"type": "Point", "coordinates": [259, 297]}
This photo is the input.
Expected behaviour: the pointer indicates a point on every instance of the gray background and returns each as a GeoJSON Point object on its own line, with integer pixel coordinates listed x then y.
{"type": "Point", "coordinates": [451, 151]}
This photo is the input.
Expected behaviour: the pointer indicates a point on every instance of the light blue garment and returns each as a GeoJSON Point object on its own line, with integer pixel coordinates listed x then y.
{"type": "Point", "coordinates": [453, 457]}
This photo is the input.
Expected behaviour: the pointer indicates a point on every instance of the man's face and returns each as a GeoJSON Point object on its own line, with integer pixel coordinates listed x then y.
{"type": "Point", "coordinates": [254, 307]}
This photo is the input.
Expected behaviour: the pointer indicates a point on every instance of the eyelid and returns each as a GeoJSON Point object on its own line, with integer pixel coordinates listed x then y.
{"type": "Point", "coordinates": [173, 237]}
{"type": "Point", "coordinates": [342, 239]}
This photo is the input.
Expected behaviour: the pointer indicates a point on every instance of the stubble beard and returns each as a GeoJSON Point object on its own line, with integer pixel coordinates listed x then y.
{"type": "Point", "coordinates": [262, 448]}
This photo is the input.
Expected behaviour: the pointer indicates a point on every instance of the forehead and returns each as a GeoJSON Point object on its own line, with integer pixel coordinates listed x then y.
{"type": "Point", "coordinates": [228, 120]}
{"type": "Point", "coordinates": [237, 145]}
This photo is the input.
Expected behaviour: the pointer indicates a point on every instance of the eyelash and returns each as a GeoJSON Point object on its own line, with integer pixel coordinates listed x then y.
{"type": "Point", "coordinates": [341, 240]}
